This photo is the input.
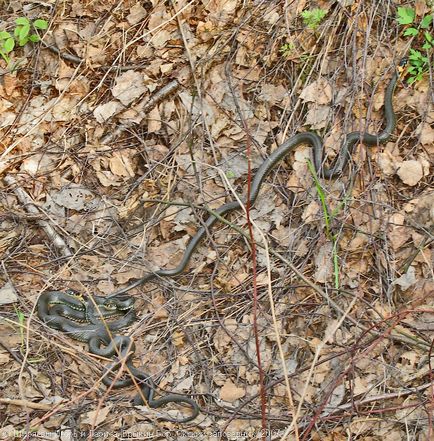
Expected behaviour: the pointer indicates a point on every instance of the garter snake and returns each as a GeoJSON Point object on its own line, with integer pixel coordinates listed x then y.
{"type": "Point", "coordinates": [271, 161]}
{"type": "Point", "coordinates": [61, 313]}
{"type": "Point", "coordinates": [87, 320]}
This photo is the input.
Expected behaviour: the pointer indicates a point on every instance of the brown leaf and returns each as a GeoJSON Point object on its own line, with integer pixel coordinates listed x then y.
{"type": "Point", "coordinates": [137, 13]}
{"type": "Point", "coordinates": [323, 263]}
{"type": "Point", "coordinates": [410, 172]}
{"type": "Point", "coordinates": [230, 392]}
{"type": "Point", "coordinates": [121, 164]}
{"type": "Point", "coordinates": [319, 92]}
{"type": "Point", "coordinates": [129, 86]}
{"type": "Point", "coordinates": [8, 294]}
{"type": "Point", "coordinates": [96, 417]}
{"type": "Point", "coordinates": [317, 117]}
{"type": "Point", "coordinates": [426, 134]}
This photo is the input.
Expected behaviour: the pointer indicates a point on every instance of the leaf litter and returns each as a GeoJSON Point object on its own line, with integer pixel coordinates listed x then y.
{"type": "Point", "coordinates": [195, 333]}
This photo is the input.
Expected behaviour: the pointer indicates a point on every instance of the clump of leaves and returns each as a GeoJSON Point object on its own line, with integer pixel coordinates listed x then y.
{"type": "Point", "coordinates": [312, 18]}
{"type": "Point", "coordinates": [418, 61]}
{"type": "Point", "coordinates": [286, 49]}
{"type": "Point", "coordinates": [7, 44]}
{"type": "Point", "coordinates": [24, 32]}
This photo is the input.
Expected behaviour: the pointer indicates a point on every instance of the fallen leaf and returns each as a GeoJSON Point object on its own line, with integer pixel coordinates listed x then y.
{"type": "Point", "coordinates": [96, 417]}
{"type": "Point", "coordinates": [387, 163]}
{"type": "Point", "coordinates": [406, 280]}
{"type": "Point", "coordinates": [8, 294]}
{"type": "Point", "coordinates": [129, 86]}
{"type": "Point", "coordinates": [75, 197]}
{"type": "Point", "coordinates": [137, 13]}
{"type": "Point", "coordinates": [230, 392]}
{"type": "Point", "coordinates": [318, 116]}
{"type": "Point", "coordinates": [319, 92]}
{"type": "Point", "coordinates": [37, 164]}
{"type": "Point", "coordinates": [323, 263]}
{"type": "Point", "coordinates": [105, 111]}
{"type": "Point", "coordinates": [154, 120]}
{"type": "Point", "coordinates": [161, 38]}
{"type": "Point", "coordinates": [121, 164]}
{"type": "Point", "coordinates": [272, 94]}
{"type": "Point", "coordinates": [410, 172]}
{"type": "Point", "coordinates": [426, 134]}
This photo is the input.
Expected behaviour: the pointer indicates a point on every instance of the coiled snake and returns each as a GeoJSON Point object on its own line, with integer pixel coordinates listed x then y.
{"type": "Point", "coordinates": [62, 311]}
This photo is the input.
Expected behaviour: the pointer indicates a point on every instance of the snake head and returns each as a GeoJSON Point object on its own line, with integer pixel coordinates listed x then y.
{"type": "Point", "coordinates": [121, 303]}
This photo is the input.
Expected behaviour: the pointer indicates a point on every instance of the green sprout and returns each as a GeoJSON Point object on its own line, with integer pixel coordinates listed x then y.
{"type": "Point", "coordinates": [313, 18]}
{"type": "Point", "coordinates": [24, 32]}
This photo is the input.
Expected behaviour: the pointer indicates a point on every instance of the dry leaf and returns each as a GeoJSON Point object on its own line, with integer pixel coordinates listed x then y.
{"type": "Point", "coordinates": [160, 39]}
{"type": "Point", "coordinates": [37, 164]}
{"type": "Point", "coordinates": [272, 94]}
{"type": "Point", "coordinates": [8, 294]}
{"type": "Point", "coordinates": [8, 432]}
{"type": "Point", "coordinates": [96, 417]}
{"type": "Point", "coordinates": [121, 164]}
{"type": "Point", "coordinates": [311, 212]}
{"type": "Point", "coordinates": [318, 116]}
{"type": "Point", "coordinates": [319, 92]}
{"type": "Point", "coordinates": [178, 339]}
{"type": "Point", "coordinates": [137, 13]}
{"type": "Point", "coordinates": [75, 197]}
{"type": "Point", "coordinates": [105, 111]}
{"type": "Point", "coordinates": [410, 172]}
{"type": "Point", "coordinates": [323, 263]}
{"type": "Point", "coordinates": [230, 392]}
{"type": "Point", "coordinates": [154, 120]}
{"type": "Point", "coordinates": [129, 86]}
{"type": "Point", "coordinates": [387, 163]}
{"type": "Point", "coordinates": [426, 134]}
{"type": "Point", "coordinates": [406, 280]}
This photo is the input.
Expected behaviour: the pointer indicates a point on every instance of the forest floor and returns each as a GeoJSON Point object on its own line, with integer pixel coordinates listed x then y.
{"type": "Point", "coordinates": [307, 316]}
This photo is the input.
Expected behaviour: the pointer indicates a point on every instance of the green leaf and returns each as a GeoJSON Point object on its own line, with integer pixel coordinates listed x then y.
{"type": "Point", "coordinates": [4, 56]}
{"type": "Point", "coordinates": [427, 46]}
{"type": "Point", "coordinates": [411, 80]}
{"type": "Point", "coordinates": [23, 41]}
{"type": "Point", "coordinates": [313, 17]}
{"type": "Point", "coordinates": [23, 32]}
{"type": "Point", "coordinates": [230, 174]}
{"type": "Point", "coordinates": [4, 35]}
{"type": "Point", "coordinates": [40, 24]}
{"type": "Point", "coordinates": [22, 21]}
{"type": "Point", "coordinates": [426, 22]}
{"type": "Point", "coordinates": [414, 55]}
{"type": "Point", "coordinates": [405, 16]}
{"type": "Point", "coordinates": [428, 37]}
{"type": "Point", "coordinates": [411, 31]}
{"type": "Point", "coordinates": [8, 45]}
{"type": "Point", "coordinates": [34, 38]}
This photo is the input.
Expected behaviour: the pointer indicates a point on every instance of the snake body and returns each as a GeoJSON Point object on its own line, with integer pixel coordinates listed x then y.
{"type": "Point", "coordinates": [87, 321]}
{"type": "Point", "coordinates": [269, 163]}
{"type": "Point", "coordinates": [82, 320]}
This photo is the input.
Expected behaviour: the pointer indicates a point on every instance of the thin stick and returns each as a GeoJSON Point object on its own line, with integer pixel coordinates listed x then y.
{"type": "Point", "coordinates": [30, 207]}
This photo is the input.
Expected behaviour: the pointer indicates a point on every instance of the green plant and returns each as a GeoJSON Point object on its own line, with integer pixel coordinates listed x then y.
{"type": "Point", "coordinates": [418, 62]}
{"type": "Point", "coordinates": [286, 49]}
{"type": "Point", "coordinates": [328, 218]}
{"type": "Point", "coordinates": [21, 320]}
{"type": "Point", "coordinates": [23, 28]}
{"type": "Point", "coordinates": [7, 44]}
{"type": "Point", "coordinates": [313, 18]}
{"type": "Point", "coordinates": [24, 32]}
{"type": "Point", "coordinates": [418, 66]}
